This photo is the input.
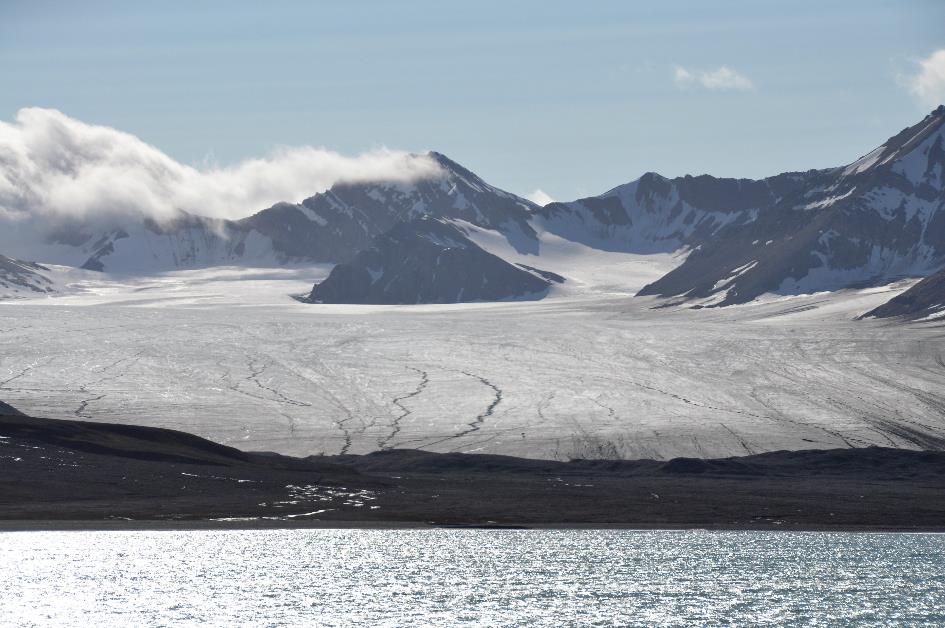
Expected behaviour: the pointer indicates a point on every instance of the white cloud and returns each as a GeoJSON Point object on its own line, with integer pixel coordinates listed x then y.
{"type": "Point", "coordinates": [53, 166]}
{"type": "Point", "coordinates": [928, 84]}
{"type": "Point", "coordinates": [721, 78]}
{"type": "Point", "coordinates": [539, 197]}
{"type": "Point", "coordinates": [682, 76]}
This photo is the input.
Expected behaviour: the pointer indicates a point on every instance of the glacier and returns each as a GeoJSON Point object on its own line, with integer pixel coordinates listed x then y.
{"type": "Point", "coordinates": [589, 372]}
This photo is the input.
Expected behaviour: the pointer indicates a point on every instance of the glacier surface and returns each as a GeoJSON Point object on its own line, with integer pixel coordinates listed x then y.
{"type": "Point", "coordinates": [590, 371]}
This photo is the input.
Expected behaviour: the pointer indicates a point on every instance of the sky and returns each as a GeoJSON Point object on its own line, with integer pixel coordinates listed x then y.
{"type": "Point", "coordinates": [566, 98]}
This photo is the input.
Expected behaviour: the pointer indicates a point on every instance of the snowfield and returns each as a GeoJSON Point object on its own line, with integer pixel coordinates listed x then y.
{"type": "Point", "coordinates": [588, 372]}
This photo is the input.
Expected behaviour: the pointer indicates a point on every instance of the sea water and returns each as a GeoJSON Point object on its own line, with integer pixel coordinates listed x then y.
{"type": "Point", "coordinates": [455, 577]}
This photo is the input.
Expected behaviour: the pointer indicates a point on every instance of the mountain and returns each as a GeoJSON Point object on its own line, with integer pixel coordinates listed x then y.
{"type": "Point", "coordinates": [878, 219]}
{"type": "Point", "coordinates": [335, 225]}
{"type": "Point", "coordinates": [24, 278]}
{"type": "Point", "coordinates": [654, 214]}
{"type": "Point", "coordinates": [429, 260]}
{"type": "Point", "coordinates": [330, 227]}
{"type": "Point", "coordinates": [280, 235]}
{"type": "Point", "coordinates": [137, 244]}
{"type": "Point", "coordinates": [925, 299]}
{"type": "Point", "coordinates": [186, 241]}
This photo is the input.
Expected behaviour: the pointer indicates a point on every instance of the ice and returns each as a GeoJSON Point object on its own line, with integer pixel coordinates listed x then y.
{"type": "Point", "coordinates": [312, 215]}
{"type": "Point", "coordinates": [589, 371]}
{"type": "Point", "coordinates": [829, 200]}
{"type": "Point", "coordinates": [589, 271]}
{"type": "Point", "coordinates": [865, 162]}
{"type": "Point", "coordinates": [736, 273]}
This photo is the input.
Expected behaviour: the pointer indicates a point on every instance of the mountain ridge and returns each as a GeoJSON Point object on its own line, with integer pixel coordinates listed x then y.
{"type": "Point", "coordinates": [878, 219]}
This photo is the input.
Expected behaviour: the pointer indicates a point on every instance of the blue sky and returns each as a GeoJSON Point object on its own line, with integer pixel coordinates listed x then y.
{"type": "Point", "coordinates": [573, 98]}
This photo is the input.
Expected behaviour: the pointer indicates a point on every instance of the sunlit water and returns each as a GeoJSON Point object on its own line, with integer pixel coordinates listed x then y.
{"type": "Point", "coordinates": [480, 577]}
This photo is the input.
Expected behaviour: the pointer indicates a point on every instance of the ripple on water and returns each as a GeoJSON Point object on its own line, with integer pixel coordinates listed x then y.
{"type": "Point", "coordinates": [490, 577]}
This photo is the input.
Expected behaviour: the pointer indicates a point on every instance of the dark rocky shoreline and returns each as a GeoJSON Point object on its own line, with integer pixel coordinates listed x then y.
{"type": "Point", "coordinates": [81, 475]}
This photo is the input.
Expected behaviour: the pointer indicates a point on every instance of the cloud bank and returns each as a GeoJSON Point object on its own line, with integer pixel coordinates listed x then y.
{"type": "Point", "coordinates": [928, 84]}
{"type": "Point", "coordinates": [53, 166]}
{"type": "Point", "coordinates": [722, 78]}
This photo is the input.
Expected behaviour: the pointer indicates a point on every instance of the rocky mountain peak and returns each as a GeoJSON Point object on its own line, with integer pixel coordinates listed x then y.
{"type": "Point", "coordinates": [911, 149]}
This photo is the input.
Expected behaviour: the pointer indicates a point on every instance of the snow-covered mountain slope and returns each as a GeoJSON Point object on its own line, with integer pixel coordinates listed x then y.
{"type": "Point", "coordinates": [874, 221]}
{"type": "Point", "coordinates": [878, 219]}
{"type": "Point", "coordinates": [141, 245]}
{"type": "Point", "coordinates": [429, 260]}
{"type": "Point", "coordinates": [588, 271]}
{"type": "Point", "coordinates": [29, 280]}
{"type": "Point", "coordinates": [925, 300]}
{"type": "Point", "coordinates": [335, 225]}
{"type": "Point", "coordinates": [19, 279]}
{"type": "Point", "coordinates": [330, 227]}
{"type": "Point", "coordinates": [186, 242]}
{"type": "Point", "coordinates": [655, 214]}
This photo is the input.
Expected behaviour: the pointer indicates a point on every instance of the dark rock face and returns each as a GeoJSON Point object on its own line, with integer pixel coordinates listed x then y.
{"type": "Point", "coordinates": [926, 298]}
{"type": "Point", "coordinates": [8, 410]}
{"type": "Point", "coordinates": [878, 219]}
{"type": "Point", "coordinates": [17, 277]}
{"type": "Point", "coordinates": [427, 260]}
{"type": "Point", "coordinates": [104, 247]}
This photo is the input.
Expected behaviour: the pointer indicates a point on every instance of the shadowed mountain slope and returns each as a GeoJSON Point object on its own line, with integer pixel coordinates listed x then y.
{"type": "Point", "coordinates": [926, 299]}
{"type": "Point", "coordinates": [427, 260]}
{"type": "Point", "coordinates": [878, 219]}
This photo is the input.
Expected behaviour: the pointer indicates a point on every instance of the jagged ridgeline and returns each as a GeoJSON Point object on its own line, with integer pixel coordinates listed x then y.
{"type": "Point", "coordinates": [878, 219]}
{"type": "Point", "coordinates": [448, 236]}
